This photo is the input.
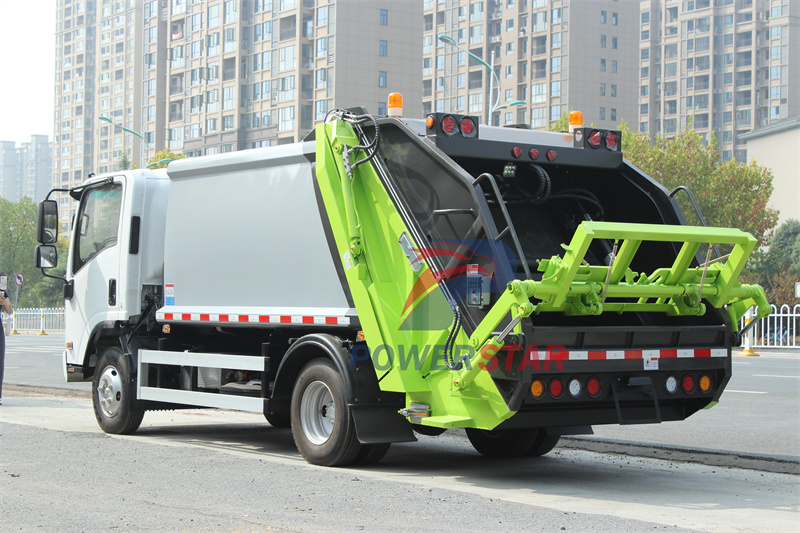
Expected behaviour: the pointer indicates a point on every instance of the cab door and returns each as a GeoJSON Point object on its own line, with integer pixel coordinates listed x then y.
{"type": "Point", "coordinates": [94, 265]}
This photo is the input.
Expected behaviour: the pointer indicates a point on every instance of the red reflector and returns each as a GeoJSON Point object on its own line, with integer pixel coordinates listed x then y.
{"type": "Point", "coordinates": [556, 388]}
{"type": "Point", "coordinates": [611, 140]}
{"type": "Point", "coordinates": [467, 127]}
{"type": "Point", "coordinates": [449, 125]}
{"type": "Point", "coordinates": [594, 139]}
{"type": "Point", "coordinates": [688, 383]}
{"type": "Point", "coordinates": [551, 154]}
{"type": "Point", "coordinates": [593, 387]}
{"type": "Point", "coordinates": [534, 153]}
{"type": "Point", "coordinates": [516, 151]}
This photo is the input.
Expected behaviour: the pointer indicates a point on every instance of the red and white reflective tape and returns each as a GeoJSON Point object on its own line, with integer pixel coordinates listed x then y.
{"type": "Point", "coordinates": [297, 320]}
{"type": "Point", "coordinates": [603, 355]}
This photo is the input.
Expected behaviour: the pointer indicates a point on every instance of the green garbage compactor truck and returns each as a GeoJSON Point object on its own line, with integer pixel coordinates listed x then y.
{"type": "Point", "coordinates": [387, 276]}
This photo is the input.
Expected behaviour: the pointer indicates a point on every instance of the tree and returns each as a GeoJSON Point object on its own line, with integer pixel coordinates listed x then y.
{"type": "Point", "coordinates": [17, 242]}
{"type": "Point", "coordinates": [730, 194]}
{"type": "Point", "coordinates": [124, 163]}
{"type": "Point", "coordinates": [162, 158]}
{"type": "Point", "coordinates": [778, 269]}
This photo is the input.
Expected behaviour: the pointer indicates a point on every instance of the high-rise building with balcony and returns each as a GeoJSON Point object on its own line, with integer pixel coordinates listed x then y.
{"type": "Point", "coordinates": [35, 167]}
{"type": "Point", "coordinates": [725, 66]}
{"type": "Point", "coordinates": [200, 77]}
{"type": "Point", "coordinates": [547, 57]}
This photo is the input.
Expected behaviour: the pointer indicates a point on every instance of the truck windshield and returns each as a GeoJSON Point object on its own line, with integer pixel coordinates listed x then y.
{"type": "Point", "coordinates": [98, 222]}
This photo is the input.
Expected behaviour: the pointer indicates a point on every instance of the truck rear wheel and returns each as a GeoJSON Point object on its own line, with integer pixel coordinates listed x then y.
{"type": "Point", "coordinates": [322, 425]}
{"type": "Point", "coordinates": [542, 444]}
{"type": "Point", "coordinates": [504, 443]}
{"type": "Point", "coordinates": [115, 406]}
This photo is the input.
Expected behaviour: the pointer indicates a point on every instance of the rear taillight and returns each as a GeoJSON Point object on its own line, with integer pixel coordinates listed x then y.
{"type": "Point", "coordinates": [468, 128]}
{"type": "Point", "coordinates": [671, 384]}
{"type": "Point", "coordinates": [556, 388]}
{"type": "Point", "coordinates": [687, 383]}
{"type": "Point", "coordinates": [705, 383]}
{"type": "Point", "coordinates": [449, 125]}
{"type": "Point", "coordinates": [575, 388]}
{"type": "Point", "coordinates": [611, 141]}
{"type": "Point", "coordinates": [593, 387]}
{"type": "Point", "coordinates": [516, 151]}
{"type": "Point", "coordinates": [537, 388]}
{"type": "Point", "coordinates": [595, 138]}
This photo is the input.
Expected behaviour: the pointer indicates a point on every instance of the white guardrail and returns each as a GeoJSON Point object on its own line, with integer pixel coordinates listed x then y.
{"type": "Point", "coordinates": [781, 329]}
{"type": "Point", "coordinates": [42, 321]}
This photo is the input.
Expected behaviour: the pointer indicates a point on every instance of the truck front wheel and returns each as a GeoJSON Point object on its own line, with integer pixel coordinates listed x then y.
{"type": "Point", "coordinates": [115, 407]}
{"type": "Point", "coordinates": [322, 425]}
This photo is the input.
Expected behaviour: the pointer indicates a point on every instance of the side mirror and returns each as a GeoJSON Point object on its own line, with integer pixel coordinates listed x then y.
{"type": "Point", "coordinates": [46, 256]}
{"type": "Point", "coordinates": [47, 226]}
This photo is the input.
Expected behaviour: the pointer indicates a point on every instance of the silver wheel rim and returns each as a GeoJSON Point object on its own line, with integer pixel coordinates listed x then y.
{"type": "Point", "coordinates": [109, 392]}
{"type": "Point", "coordinates": [317, 412]}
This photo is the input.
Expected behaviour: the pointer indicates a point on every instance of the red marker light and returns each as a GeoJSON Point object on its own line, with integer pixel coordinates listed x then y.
{"type": "Point", "coordinates": [449, 125]}
{"type": "Point", "coordinates": [516, 151]}
{"type": "Point", "coordinates": [551, 154]}
{"type": "Point", "coordinates": [556, 388]}
{"type": "Point", "coordinates": [467, 127]}
{"type": "Point", "coordinates": [595, 138]}
{"type": "Point", "coordinates": [593, 387]}
{"type": "Point", "coordinates": [534, 153]}
{"type": "Point", "coordinates": [611, 140]}
{"type": "Point", "coordinates": [688, 384]}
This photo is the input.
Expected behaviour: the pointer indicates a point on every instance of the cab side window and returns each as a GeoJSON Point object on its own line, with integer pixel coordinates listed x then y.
{"type": "Point", "coordinates": [98, 222]}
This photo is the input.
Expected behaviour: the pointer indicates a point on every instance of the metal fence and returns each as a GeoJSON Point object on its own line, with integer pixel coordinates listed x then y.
{"type": "Point", "coordinates": [38, 320]}
{"type": "Point", "coordinates": [781, 329]}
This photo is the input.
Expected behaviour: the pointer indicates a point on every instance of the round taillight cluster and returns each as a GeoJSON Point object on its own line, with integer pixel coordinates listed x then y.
{"type": "Point", "coordinates": [689, 383]}
{"type": "Point", "coordinates": [454, 124]}
{"type": "Point", "coordinates": [556, 387]}
{"type": "Point", "coordinates": [468, 128]}
{"type": "Point", "coordinates": [604, 139]}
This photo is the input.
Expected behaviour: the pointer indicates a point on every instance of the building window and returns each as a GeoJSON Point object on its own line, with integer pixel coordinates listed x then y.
{"type": "Point", "coordinates": [555, 88]}
{"type": "Point", "coordinates": [602, 89]}
{"type": "Point", "coordinates": [614, 19]}
{"type": "Point", "coordinates": [602, 41]}
{"type": "Point", "coordinates": [555, 64]}
{"type": "Point", "coordinates": [384, 17]}
{"type": "Point", "coordinates": [383, 48]}
{"type": "Point", "coordinates": [603, 17]}
{"type": "Point", "coordinates": [602, 113]}
{"type": "Point", "coordinates": [382, 78]}
{"type": "Point", "coordinates": [213, 16]}
{"type": "Point", "coordinates": [602, 65]}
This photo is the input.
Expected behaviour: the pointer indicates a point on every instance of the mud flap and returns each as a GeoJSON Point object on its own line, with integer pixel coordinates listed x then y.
{"type": "Point", "coordinates": [378, 424]}
{"type": "Point", "coordinates": [635, 389]}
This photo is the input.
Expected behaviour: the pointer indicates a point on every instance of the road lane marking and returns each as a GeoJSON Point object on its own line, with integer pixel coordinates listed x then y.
{"type": "Point", "coordinates": [746, 391]}
{"type": "Point", "coordinates": [774, 376]}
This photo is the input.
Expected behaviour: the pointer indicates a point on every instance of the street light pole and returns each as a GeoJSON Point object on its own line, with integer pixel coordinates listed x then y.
{"type": "Point", "coordinates": [137, 134]}
{"type": "Point", "coordinates": [491, 102]}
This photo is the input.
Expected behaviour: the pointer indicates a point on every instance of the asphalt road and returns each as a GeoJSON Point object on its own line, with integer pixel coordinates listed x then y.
{"type": "Point", "coordinates": [758, 415]}
{"type": "Point", "coordinates": [220, 471]}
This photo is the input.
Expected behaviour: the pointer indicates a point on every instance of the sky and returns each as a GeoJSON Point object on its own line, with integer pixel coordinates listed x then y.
{"type": "Point", "coordinates": [27, 68]}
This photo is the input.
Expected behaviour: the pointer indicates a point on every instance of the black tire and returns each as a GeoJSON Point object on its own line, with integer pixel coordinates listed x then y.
{"type": "Point", "coordinates": [503, 443]}
{"type": "Point", "coordinates": [371, 454]}
{"type": "Point", "coordinates": [430, 431]}
{"type": "Point", "coordinates": [113, 394]}
{"type": "Point", "coordinates": [278, 420]}
{"type": "Point", "coordinates": [542, 444]}
{"type": "Point", "coordinates": [323, 439]}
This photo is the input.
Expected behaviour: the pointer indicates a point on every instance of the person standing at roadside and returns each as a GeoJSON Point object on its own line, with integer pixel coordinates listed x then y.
{"type": "Point", "coordinates": [5, 305]}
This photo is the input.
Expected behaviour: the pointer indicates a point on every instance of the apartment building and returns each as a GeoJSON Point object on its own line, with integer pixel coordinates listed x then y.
{"type": "Point", "coordinates": [725, 66]}
{"type": "Point", "coordinates": [8, 171]}
{"type": "Point", "coordinates": [35, 167]}
{"type": "Point", "coordinates": [200, 77]}
{"type": "Point", "coordinates": [529, 61]}
{"type": "Point", "coordinates": [243, 74]}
